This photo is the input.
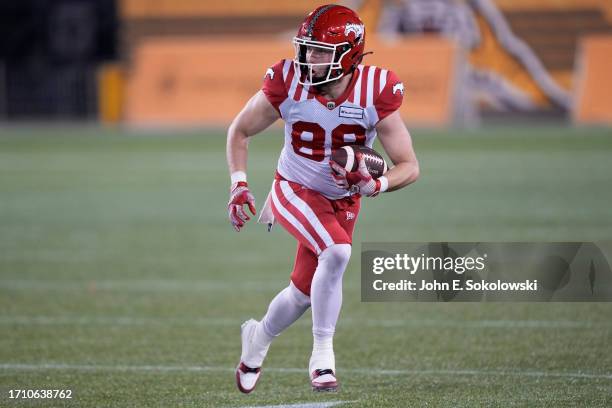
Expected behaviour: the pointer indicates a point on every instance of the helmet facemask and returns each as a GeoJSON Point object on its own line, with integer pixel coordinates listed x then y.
{"type": "Point", "coordinates": [334, 69]}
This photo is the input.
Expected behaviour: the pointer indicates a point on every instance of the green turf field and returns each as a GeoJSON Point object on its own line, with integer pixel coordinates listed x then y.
{"type": "Point", "coordinates": [122, 280]}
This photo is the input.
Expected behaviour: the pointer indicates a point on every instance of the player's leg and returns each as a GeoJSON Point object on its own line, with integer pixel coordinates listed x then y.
{"type": "Point", "coordinates": [284, 310]}
{"type": "Point", "coordinates": [321, 277]}
{"type": "Point", "coordinates": [286, 307]}
{"type": "Point", "coordinates": [312, 219]}
{"type": "Point", "coordinates": [326, 294]}
{"type": "Point", "coordinates": [256, 336]}
{"type": "Point", "coordinates": [326, 299]}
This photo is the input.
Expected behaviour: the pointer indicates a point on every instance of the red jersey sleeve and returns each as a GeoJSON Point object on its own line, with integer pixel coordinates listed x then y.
{"type": "Point", "coordinates": [274, 85]}
{"type": "Point", "coordinates": [390, 99]}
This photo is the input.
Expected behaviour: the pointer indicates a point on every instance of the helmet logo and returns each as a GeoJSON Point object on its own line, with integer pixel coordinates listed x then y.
{"type": "Point", "coordinates": [398, 87]}
{"type": "Point", "coordinates": [354, 28]}
{"type": "Point", "coordinates": [270, 73]}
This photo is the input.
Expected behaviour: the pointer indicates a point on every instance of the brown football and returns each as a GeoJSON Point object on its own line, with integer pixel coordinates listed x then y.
{"type": "Point", "coordinates": [345, 157]}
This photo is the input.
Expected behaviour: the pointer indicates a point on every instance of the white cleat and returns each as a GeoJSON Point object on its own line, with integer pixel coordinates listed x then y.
{"type": "Point", "coordinates": [247, 376]}
{"type": "Point", "coordinates": [324, 380]}
{"type": "Point", "coordinates": [322, 369]}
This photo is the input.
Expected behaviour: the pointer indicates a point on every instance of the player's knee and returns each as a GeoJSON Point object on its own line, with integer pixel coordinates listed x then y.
{"type": "Point", "coordinates": [337, 255]}
{"type": "Point", "coordinates": [299, 298]}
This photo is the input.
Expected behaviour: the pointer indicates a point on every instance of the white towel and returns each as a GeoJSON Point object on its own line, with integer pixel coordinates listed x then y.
{"type": "Point", "coordinates": [266, 216]}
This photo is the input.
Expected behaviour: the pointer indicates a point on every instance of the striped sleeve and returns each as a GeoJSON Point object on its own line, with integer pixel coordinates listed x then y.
{"type": "Point", "coordinates": [390, 98]}
{"type": "Point", "coordinates": [274, 83]}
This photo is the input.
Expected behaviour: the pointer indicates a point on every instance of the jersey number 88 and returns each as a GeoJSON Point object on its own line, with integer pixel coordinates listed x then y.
{"type": "Point", "coordinates": [313, 148]}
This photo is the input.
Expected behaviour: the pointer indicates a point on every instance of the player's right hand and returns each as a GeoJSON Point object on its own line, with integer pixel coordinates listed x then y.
{"type": "Point", "coordinates": [239, 196]}
{"type": "Point", "coordinates": [339, 175]}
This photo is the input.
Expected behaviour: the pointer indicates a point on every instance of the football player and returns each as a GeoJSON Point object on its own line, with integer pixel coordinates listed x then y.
{"type": "Point", "coordinates": [327, 100]}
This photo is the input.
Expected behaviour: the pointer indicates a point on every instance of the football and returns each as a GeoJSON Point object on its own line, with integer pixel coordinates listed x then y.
{"type": "Point", "coordinates": [345, 157]}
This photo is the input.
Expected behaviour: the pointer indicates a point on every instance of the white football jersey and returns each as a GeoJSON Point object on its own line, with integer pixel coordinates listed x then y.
{"type": "Point", "coordinates": [314, 125]}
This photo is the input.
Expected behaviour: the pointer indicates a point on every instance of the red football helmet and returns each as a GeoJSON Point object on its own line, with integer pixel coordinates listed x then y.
{"type": "Point", "coordinates": [331, 29]}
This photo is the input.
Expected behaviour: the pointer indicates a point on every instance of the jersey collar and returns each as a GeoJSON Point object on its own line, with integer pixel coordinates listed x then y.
{"type": "Point", "coordinates": [340, 99]}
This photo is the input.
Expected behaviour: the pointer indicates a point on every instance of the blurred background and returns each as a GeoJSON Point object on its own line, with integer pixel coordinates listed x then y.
{"type": "Point", "coordinates": [188, 62]}
{"type": "Point", "coordinates": [122, 279]}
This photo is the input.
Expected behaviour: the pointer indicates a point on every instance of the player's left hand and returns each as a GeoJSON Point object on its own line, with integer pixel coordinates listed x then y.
{"type": "Point", "coordinates": [359, 181]}
{"type": "Point", "coordinates": [239, 196]}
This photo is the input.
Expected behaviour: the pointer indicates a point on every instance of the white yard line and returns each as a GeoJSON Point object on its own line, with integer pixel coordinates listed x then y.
{"type": "Point", "coordinates": [301, 405]}
{"type": "Point", "coordinates": [361, 371]}
{"type": "Point", "coordinates": [236, 321]}
{"type": "Point", "coordinates": [116, 321]}
{"type": "Point", "coordinates": [139, 285]}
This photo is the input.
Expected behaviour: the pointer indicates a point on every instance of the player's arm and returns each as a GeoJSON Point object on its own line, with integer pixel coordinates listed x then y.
{"type": "Point", "coordinates": [397, 143]}
{"type": "Point", "coordinates": [263, 109]}
{"type": "Point", "coordinates": [257, 115]}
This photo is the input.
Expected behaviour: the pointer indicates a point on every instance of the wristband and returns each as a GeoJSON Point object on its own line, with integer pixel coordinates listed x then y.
{"type": "Point", "coordinates": [384, 184]}
{"type": "Point", "coordinates": [238, 176]}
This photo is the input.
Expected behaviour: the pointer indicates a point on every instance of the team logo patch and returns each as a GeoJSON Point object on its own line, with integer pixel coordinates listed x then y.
{"type": "Point", "coordinates": [354, 28]}
{"type": "Point", "coordinates": [350, 112]}
{"type": "Point", "coordinates": [269, 72]}
{"type": "Point", "coordinates": [398, 87]}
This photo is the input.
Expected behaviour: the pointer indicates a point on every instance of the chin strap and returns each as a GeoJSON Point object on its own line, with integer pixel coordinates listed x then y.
{"type": "Point", "coordinates": [361, 58]}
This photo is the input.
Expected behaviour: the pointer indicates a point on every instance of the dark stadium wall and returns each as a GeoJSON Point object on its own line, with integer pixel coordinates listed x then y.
{"type": "Point", "coordinates": [49, 56]}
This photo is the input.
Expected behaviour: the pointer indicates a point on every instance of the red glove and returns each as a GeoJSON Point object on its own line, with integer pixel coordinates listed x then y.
{"type": "Point", "coordinates": [239, 196]}
{"type": "Point", "coordinates": [359, 181]}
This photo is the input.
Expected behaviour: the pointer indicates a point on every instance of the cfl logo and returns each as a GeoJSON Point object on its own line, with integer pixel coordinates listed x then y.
{"type": "Point", "coordinates": [398, 87]}
{"type": "Point", "coordinates": [270, 73]}
{"type": "Point", "coordinates": [350, 215]}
